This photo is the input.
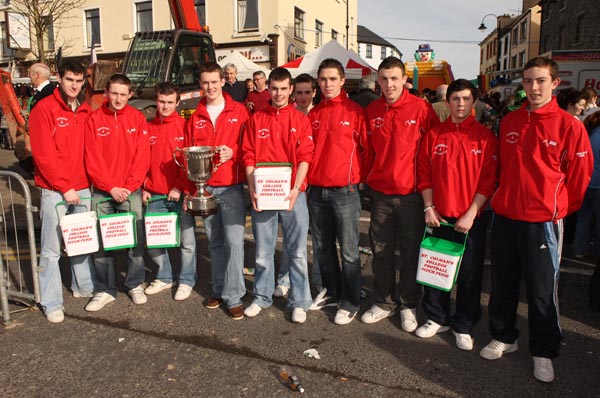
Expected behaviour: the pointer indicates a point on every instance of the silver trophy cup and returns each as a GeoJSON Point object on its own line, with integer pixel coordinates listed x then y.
{"type": "Point", "coordinates": [198, 163]}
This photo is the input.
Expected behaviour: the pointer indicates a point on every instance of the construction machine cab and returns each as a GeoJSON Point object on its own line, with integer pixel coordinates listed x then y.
{"type": "Point", "coordinates": [170, 55]}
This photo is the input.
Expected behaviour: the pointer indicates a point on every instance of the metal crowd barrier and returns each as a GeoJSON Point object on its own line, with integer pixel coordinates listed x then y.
{"type": "Point", "coordinates": [18, 270]}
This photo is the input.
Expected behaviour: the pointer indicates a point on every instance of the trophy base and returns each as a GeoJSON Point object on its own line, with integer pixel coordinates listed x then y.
{"type": "Point", "coordinates": [203, 206]}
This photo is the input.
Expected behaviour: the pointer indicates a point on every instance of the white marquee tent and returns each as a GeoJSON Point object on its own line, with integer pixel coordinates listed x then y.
{"type": "Point", "coordinates": [245, 67]}
{"type": "Point", "coordinates": [354, 66]}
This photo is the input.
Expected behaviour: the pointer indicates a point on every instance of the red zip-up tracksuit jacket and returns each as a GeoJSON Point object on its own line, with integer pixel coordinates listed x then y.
{"type": "Point", "coordinates": [117, 150]}
{"type": "Point", "coordinates": [57, 142]}
{"type": "Point", "coordinates": [546, 163]}
{"type": "Point", "coordinates": [278, 135]}
{"type": "Point", "coordinates": [340, 135]}
{"type": "Point", "coordinates": [228, 131]}
{"type": "Point", "coordinates": [396, 132]}
{"type": "Point", "coordinates": [166, 135]}
{"type": "Point", "coordinates": [457, 161]}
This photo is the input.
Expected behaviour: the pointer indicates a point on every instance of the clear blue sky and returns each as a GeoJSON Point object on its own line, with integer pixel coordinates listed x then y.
{"type": "Point", "coordinates": [406, 24]}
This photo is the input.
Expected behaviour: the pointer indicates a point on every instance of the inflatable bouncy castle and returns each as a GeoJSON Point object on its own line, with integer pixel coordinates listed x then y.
{"type": "Point", "coordinates": [426, 71]}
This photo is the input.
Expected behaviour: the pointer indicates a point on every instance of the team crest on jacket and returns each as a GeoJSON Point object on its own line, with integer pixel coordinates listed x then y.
{"type": "Point", "coordinates": [316, 124]}
{"type": "Point", "coordinates": [200, 124]}
{"type": "Point", "coordinates": [344, 123]}
{"type": "Point", "coordinates": [62, 121]}
{"type": "Point", "coordinates": [232, 120]}
{"type": "Point", "coordinates": [152, 140]}
{"type": "Point", "coordinates": [131, 131]}
{"type": "Point", "coordinates": [102, 131]}
{"type": "Point", "coordinates": [440, 149]}
{"type": "Point", "coordinates": [179, 139]}
{"type": "Point", "coordinates": [512, 137]}
{"type": "Point", "coordinates": [549, 143]}
{"type": "Point", "coordinates": [410, 122]}
{"type": "Point", "coordinates": [264, 133]}
{"type": "Point", "coordinates": [378, 122]}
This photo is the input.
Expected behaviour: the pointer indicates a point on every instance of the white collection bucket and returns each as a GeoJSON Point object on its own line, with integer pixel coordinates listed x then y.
{"type": "Point", "coordinates": [118, 230]}
{"type": "Point", "coordinates": [439, 259]}
{"type": "Point", "coordinates": [79, 232]}
{"type": "Point", "coordinates": [162, 229]}
{"type": "Point", "coordinates": [272, 182]}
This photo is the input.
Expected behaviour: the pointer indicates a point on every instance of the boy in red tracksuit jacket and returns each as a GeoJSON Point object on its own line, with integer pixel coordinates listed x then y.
{"type": "Point", "coordinates": [55, 126]}
{"type": "Point", "coordinates": [340, 136]}
{"type": "Point", "coordinates": [546, 163]}
{"type": "Point", "coordinates": [278, 134]}
{"type": "Point", "coordinates": [117, 158]}
{"type": "Point", "coordinates": [166, 178]}
{"type": "Point", "coordinates": [219, 122]}
{"type": "Point", "coordinates": [457, 174]}
{"type": "Point", "coordinates": [397, 122]}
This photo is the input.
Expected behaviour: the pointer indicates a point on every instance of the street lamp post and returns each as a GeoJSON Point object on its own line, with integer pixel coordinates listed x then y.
{"type": "Point", "coordinates": [482, 27]}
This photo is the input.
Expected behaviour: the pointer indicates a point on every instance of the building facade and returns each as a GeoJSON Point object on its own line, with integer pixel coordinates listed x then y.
{"type": "Point", "coordinates": [569, 25]}
{"type": "Point", "coordinates": [373, 48]}
{"type": "Point", "coordinates": [504, 52]}
{"type": "Point", "coordinates": [269, 32]}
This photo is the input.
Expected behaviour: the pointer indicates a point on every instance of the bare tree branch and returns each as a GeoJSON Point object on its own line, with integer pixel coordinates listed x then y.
{"type": "Point", "coordinates": [43, 15]}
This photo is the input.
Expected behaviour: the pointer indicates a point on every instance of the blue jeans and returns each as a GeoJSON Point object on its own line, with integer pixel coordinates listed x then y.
{"type": "Point", "coordinates": [82, 270]}
{"type": "Point", "coordinates": [589, 211]}
{"type": "Point", "coordinates": [294, 225]}
{"type": "Point", "coordinates": [334, 214]}
{"type": "Point", "coordinates": [225, 231]}
{"type": "Point", "coordinates": [187, 274]}
{"type": "Point", "coordinates": [104, 261]}
{"type": "Point", "coordinates": [283, 278]}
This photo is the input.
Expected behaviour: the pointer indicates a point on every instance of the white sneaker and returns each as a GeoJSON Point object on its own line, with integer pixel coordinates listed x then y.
{"type": "Point", "coordinates": [298, 315]}
{"type": "Point", "coordinates": [408, 317]}
{"type": "Point", "coordinates": [464, 341]}
{"type": "Point", "coordinates": [430, 329]}
{"type": "Point", "coordinates": [80, 295]}
{"type": "Point", "coordinates": [280, 291]}
{"type": "Point", "coordinates": [99, 301]}
{"type": "Point", "coordinates": [343, 317]}
{"type": "Point", "coordinates": [56, 316]}
{"type": "Point", "coordinates": [157, 286]}
{"type": "Point", "coordinates": [183, 292]}
{"type": "Point", "coordinates": [375, 314]}
{"type": "Point", "coordinates": [495, 349]}
{"type": "Point", "coordinates": [137, 295]}
{"type": "Point", "coordinates": [543, 370]}
{"type": "Point", "coordinates": [253, 310]}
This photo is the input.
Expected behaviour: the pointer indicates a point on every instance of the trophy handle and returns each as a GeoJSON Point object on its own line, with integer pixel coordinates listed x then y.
{"type": "Point", "coordinates": [176, 152]}
{"type": "Point", "coordinates": [216, 165]}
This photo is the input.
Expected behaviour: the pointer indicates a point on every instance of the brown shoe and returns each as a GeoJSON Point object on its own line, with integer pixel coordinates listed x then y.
{"type": "Point", "coordinates": [212, 303]}
{"type": "Point", "coordinates": [237, 313]}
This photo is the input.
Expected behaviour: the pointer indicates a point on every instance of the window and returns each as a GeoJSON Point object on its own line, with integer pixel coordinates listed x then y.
{"type": "Point", "coordinates": [143, 13]}
{"type": "Point", "coordinates": [514, 36]}
{"type": "Point", "coordinates": [92, 27]}
{"type": "Point", "coordinates": [200, 6]}
{"type": "Point", "coordinates": [247, 15]}
{"type": "Point", "coordinates": [298, 23]}
{"type": "Point", "coordinates": [561, 33]}
{"type": "Point", "coordinates": [521, 59]}
{"type": "Point", "coordinates": [334, 34]}
{"type": "Point", "coordinates": [5, 51]}
{"type": "Point", "coordinates": [318, 33]}
{"type": "Point", "coordinates": [523, 30]}
{"type": "Point", "coordinates": [383, 52]}
{"type": "Point", "coordinates": [513, 62]}
{"type": "Point", "coordinates": [579, 29]}
{"type": "Point", "coordinates": [506, 45]}
{"type": "Point", "coordinates": [369, 51]}
{"type": "Point", "coordinates": [49, 33]}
